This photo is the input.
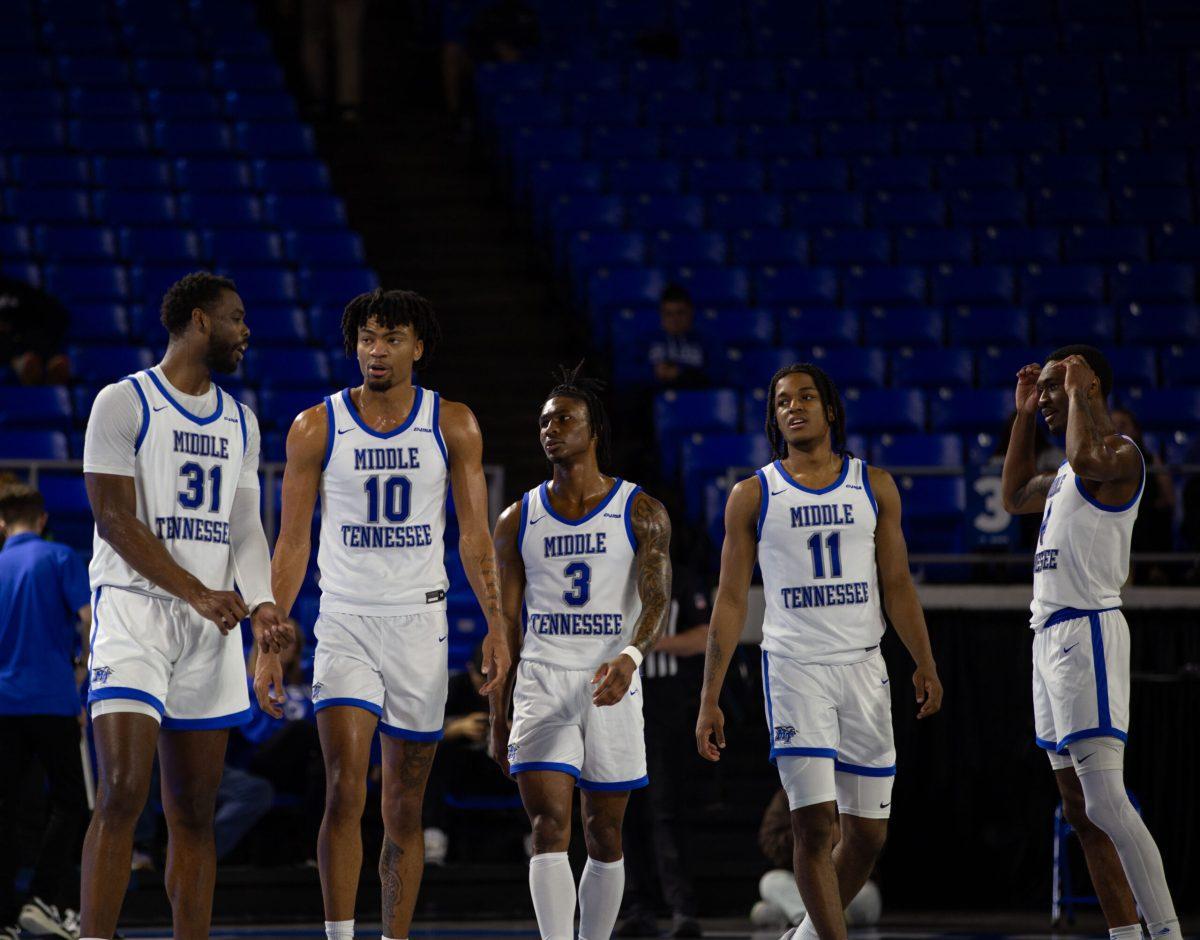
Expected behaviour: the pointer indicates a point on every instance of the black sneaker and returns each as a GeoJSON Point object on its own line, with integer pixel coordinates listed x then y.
{"type": "Point", "coordinates": [684, 926]}
{"type": "Point", "coordinates": [43, 920]}
{"type": "Point", "coordinates": [637, 925]}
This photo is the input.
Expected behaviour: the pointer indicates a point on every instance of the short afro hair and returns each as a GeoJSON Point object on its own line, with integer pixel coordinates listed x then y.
{"type": "Point", "coordinates": [573, 383]}
{"type": "Point", "coordinates": [198, 289]}
{"type": "Point", "coordinates": [21, 504]}
{"type": "Point", "coordinates": [1094, 358]}
{"type": "Point", "coordinates": [390, 309]}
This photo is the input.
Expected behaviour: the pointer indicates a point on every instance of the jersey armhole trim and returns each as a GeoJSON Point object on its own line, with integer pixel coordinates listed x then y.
{"type": "Point", "coordinates": [437, 428]}
{"type": "Point", "coordinates": [242, 418]}
{"type": "Point", "coordinates": [145, 426]}
{"type": "Point", "coordinates": [765, 499]}
{"type": "Point", "coordinates": [328, 431]}
{"type": "Point", "coordinates": [629, 518]}
{"type": "Point", "coordinates": [523, 523]}
{"type": "Point", "coordinates": [866, 479]}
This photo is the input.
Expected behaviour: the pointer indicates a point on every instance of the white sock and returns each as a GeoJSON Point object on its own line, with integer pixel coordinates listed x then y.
{"type": "Point", "coordinates": [1109, 808]}
{"type": "Point", "coordinates": [778, 886]}
{"type": "Point", "coordinates": [552, 887]}
{"type": "Point", "coordinates": [1131, 932]}
{"type": "Point", "coordinates": [339, 929]}
{"type": "Point", "coordinates": [386, 937]}
{"type": "Point", "coordinates": [1165, 928]}
{"type": "Point", "coordinates": [600, 891]}
{"type": "Point", "coordinates": [806, 931]}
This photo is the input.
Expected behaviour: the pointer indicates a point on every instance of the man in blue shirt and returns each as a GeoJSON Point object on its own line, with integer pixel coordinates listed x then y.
{"type": "Point", "coordinates": [43, 602]}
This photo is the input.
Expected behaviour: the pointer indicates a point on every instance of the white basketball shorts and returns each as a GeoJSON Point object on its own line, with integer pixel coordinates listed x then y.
{"type": "Point", "coordinates": [556, 727]}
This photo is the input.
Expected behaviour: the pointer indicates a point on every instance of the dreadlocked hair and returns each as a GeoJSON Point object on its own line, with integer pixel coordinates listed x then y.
{"type": "Point", "coordinates": [392, 308]}
{"type": "Point", "coordinates": [830, 398]}
{"type": "Point", "coordinates": [572, 383]}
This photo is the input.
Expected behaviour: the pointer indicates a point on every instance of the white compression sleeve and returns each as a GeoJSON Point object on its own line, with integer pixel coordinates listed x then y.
{"type": "Point", "coordinates": [251, 554]}
{"type": "Point", "coordinates": [600, 891]}
{"type": "Point", "coordinates": [553, 889]}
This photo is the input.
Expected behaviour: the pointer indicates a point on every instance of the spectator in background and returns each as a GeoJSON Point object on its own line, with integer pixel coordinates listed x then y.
{"type": "Point", "coordinates": [653, 835]}
{"type": "Point", "coordinates": [481, 31]}
{"type": "Point", "coordinates": [45, 614]}
{"type": "Point", "coordinates": [331, 38]}
{"type": "Point", "coordinates": [676, 354]}
{"type": "Point", "coordinates": [1154, 529]}
{"type": "Point", "coordinates": [33, 327]}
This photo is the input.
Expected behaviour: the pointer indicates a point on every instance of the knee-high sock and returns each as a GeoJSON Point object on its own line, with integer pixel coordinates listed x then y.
{"type": "Point", "coordinates": [600, 891]}
{"type": "Point", "coordinates": [552, 887]}
{"type": "Point", "coordinates": [1109, 808]}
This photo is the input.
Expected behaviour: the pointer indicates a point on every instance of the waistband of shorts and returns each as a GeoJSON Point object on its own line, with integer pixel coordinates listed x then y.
{"type": "Point", "coordinates": [141, 592]}
{"type": "Point", "coordinates": [844, 658]}
{"type": "Point", "coordinates": [333, 604]}
{"type": "Point", "coordinates": [1071, 613]}
{"type": "Point", "coordinates": [590, 670]}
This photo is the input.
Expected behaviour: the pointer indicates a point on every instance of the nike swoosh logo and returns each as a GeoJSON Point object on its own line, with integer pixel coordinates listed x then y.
{"type": "Point", "coordinates": [633, 693]}
{"type": "Point", "coordinates": [159, 408]}
{"type": "Point", "coordinates": [1082, 759]}
{"type": "Point", "coordinates": [885, 805]}
{"type": "Point", "coordinates": [441, 639]}
{"type": "Point", "coordinates": [344, 431]}
{"type": "Point", "coordinates": [777, 492]}
{"type": "Point", "coordinates": [1067, 649]}
{"type": "Point", "coordinates": [885, 681]}
{"type": "Point", "coordinates": [537, 520]}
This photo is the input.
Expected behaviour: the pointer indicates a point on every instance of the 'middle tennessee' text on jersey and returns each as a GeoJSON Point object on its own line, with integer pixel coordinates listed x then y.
{"type": "Point", "coordinates": [581, 598]}
{"type": "Point", "coordinates": [816, 549]}
{"type": "Point", "coordinates": [1082, 556]}
{"type": "Point", "coordinates": [383, 512]}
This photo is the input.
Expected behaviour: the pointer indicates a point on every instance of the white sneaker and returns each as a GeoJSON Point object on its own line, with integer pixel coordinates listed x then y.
{"type": "Point", "coordinates": [437, 844]}
{"type": "Point", "coordinates": [766, 915]}
{"type": "Point", "coordinates": [43, 920]}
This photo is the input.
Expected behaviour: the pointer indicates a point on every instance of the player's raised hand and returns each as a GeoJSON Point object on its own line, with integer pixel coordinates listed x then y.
{"type": "Point", "coordinates": [929, 690]}
{"type": "Point", "coordinates": [612, 680]}
{"type": "Point", "coordinates": [224, 608]}
{"type": "Point", "coordinates": [268, 675]}
{"type": "Point", "coordinates": [271, 629]}
{"type": "Point", "coordinates": [710, 732]}
{"type": "Point", "coordinates": [1079, 375]}
{"type": "Point", "coordinates": [497, 660]}
{"type": "Point", "coordinates": [1027, 391]}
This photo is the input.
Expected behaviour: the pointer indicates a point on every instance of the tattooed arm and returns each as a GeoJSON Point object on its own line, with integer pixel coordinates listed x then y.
{"type": "Point", "coordinates": [738, 554]}
{"type": "Point", "coordinates": [464, 443]}
{"type": "Point", "coordinates": [652, 529]}
{"type": "Point", "coordinates": [1099, 457]}
{"type": "Point", "coordinates": [512, 596]}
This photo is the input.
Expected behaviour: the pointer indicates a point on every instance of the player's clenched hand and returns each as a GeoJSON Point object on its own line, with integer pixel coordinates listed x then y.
{"type": "Point", "coordinates": [1079, 375]}
{"type": "Point", "coordinates": [271, 629]}
{"type": "Point", "coordinates": [224, 608]}
{"type": "Point", "coordinates": [929, 690]}
{"type": "Point", "coordinates": [497, 660]}
{"type": "Point", "coordinates": [1027, 391]}
{"type": "Point", "coordinates": [612, 680]}
{"type": "Point", "coordinates": [710, 732]}
{"type": "Point", "coordinates": [268, 675]}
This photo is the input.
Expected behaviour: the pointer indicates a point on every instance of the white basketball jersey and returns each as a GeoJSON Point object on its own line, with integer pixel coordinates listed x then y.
{"type": "Point", "coordinates": [581, 597]}
{"type": "Point", "coordinates": [1082, 557]}
{"type": "Point", "coordinates": [186, 470]}
{"type": "Point", "coordinates": [816, 549]}
{"type": "Point", "coordinates": [383, 512]}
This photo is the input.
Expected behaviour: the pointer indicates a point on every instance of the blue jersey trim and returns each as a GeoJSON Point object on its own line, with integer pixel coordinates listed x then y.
{"type": "Point", "coordinates": [827, 489]}
{"type": "Point", "coordinates": [629, 518]}
{"type": "Point", "coordinates": [1072, 613]}
{"type": "Point", "coordinates": [242, 417]}
{"type": "Point", "coordinates": [803, 752]}
{"type": "Point", "coordinates": [523, 523]}
{"type": "Point", "coordinates": [1104, 732]}
{"type": "Point", "coordinates": [840, 766]}
{"type": "Point", "coordinates": [1103, 715]}
{"type": "Point", "coordinates": [405, 734]}
{"type": "Point", "coordinates": [385, 435]}
{"type": "Point", "coordinates": [376, 710]}
{"type": "Point", "coordinates": [136, 695]}
{"type": "Point", "coordinates": [437, 427]}
{"type": "Point", "coordinates": [582, 519]}
{"type": "Point", "coordinates": [545, 765]}
{"type": "Point", "coordinates": [637, 784]}
{"type": "Point", "coordinates": [207, 724]}
{"type": "Point", "coordinates": [329, 431]}
{"type": "Point", "coordinates": [195, 419]}
{"type": "Point", "coordinates": [763, 503]}
{"type": "Point", "coordinates": [866, 482]}
{"type": "Point", "coordinates": [1125, 506]}
{"type": "Point", "coordinates": [92, 639]}
{"type": "Point", "coordinates": [145, 426]}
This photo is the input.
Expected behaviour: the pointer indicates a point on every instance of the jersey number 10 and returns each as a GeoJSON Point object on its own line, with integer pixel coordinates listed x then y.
{"type": "Point", "coordinates": [396, 495]}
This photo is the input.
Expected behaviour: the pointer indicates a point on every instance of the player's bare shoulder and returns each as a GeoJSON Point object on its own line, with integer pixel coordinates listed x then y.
{"type": "Point", "coordinates": [649, 519]}
{"type": "Point", "coordinates": [308, 437]}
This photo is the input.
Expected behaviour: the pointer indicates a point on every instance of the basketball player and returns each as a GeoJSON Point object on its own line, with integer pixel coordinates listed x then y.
{"type": "Point", "coordinates": [586, 556]}
{"type": "Point", "coordinates": [825, 529]}
{"type": "Point", "coordinates": [1080, 638]}
{"type": "Point", "coordinates": [381, 456]}
{"type": "Point", "coordinates": [171, 466]}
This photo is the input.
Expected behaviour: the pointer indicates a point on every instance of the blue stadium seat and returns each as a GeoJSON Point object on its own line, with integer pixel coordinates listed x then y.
{"type": "Point", "coordinates": [652, 74]}
{"type": "Point", "coordinates": [546, 143]}
{"type": "Point", "coordinates": [934, 246]}
{"type": "Point", "coordinates": [283, 367]}
{"type": "Point", "coordinates": [159, 245]}
{"type": "Point", "coordinates": [796, 286]}
{"type": "Point", "coordinates": [99, 323]}
{"type": "Point", "coordinates": [274, 140]}
{"type": "Point", "coordinates": [726, 176]}
{"type": "Point", "coordinates": [1020, 245]}
{"type": "Point", "coordinates": [890, 286]}
{"type": "Point", "coordinates": [852, 246]}
{"type": "Point", "coordinates": [678, 414]}
{"type": "Point", "coordinates": [770, 246]}
{"type": "Point", "coordinates": [173, 73]}
{"type": "Point", "coordinates": [819, 326]}
{"type": "Point", "coordinates": [266, 285]}
{"type": "Point", "coordinates": [1160, 324]}
{"type": "Point", "coordinates": [284, 175]}
{"type": "Point", "coordinates": [549, 178]}
{"type": "Point", "coordinates": [277, 325]}
{"type": "Point", "coordinates": [877, 411]}
{"type": "Point", "coordinates": [978, 102]}
{"type": "Point", "coordinates": [658, 212]}
{"type": "Point", "coordinates": [970, 171]}
{"type": "Point", "coordinates": [672, 248]}
{"type": "Point", "coordinates": [31, 134]}
{"type": "Point", "coordinates": [567, 75]}
{"type": "Point", "coordinates": [1153, 282]}
{"type": "Point", "coordinates": [296, 210]}
{"type": "Point", "coordinates": [899, 72]}
{"type": "Point", "coordinates": [1019, 136]}
{"type": "Point", "coordinates": [34, 445]}
{"type": "Point", "coordinates": [716, 286]}
{"type": "Point", "coordinates": [645, 176]}
{"type": "Point", "coordinates": [939, 39]}
{"type": "Point", "coordinates": [819, 72]}
{"type": "Point", "coordinates": [132, 172]}
{"type": "Point", "coordinates": [933, 512]}
{"type": "Point", "coordinates": [244, 76]}
{"type": "Point", "coordinates": [705, 456]}
{"type": "Point", "coordinates": [984, 284]}
{"type": "Point", "coordinates": [1058, 206]}
{"type": "Point", "coordinates": [741, 106]}
{"type": "Point", "coordinates": [211, 175]}
{"type": "Point", "coordinates": [625, 286]}
{"type": "Point", "coordinates": [174, 104]}
{"type": "Point", "coordinates": [76, 243]}
{"type": "Point", "coordinates": [832, 104]}
{"type": "Point", "coordinates": [988, 207]}
{"type": "Point", "coordinates": [1062, 326]}
{"type": "Point", "coordinates": [25, 271]}
{"type": "Point", "coordinates": [40, 407]}
{"type": "Point", "coordinates": [1099, 134]}
{"type": "Point", "coordinates": [932, 368]}
{"type": "Point", "coordinates": [260, 106]}
{"type": "Point", "coordinates": [853, 368]}
{"type": "Point", "coordinates": [192, 137]}
{"type": "Point", "coordinates": [328, 247]}
{"type": "Point", "coordinates": [225, 209]}
{"type": "Point", "coordinates": [998, 367]}
{"type": "Point", "coordinates": [793, 175]}
{"type": "Point", "coordinates": [908, 209]}
{"type": "Point", "coordinates": [93, 282]}
{"type": "Point", "coordinates": [972, 327]}
{"type": "Point", "coordinates": [904, 327]}
{"type": "Point", "coordinates": [1134, 366]}
{"type": "Point", "coordinates": [589, 250]}
{"type": "Point", "coordinates": [337, 285]}
{"type": "Point", "coordinates": [779, 140]}
{"type": "Point", "coordinates": [894, 173]}
{"type": "Point", "coordinates": [1063, 169]}
{"type": "Point", "coordinates": [919, 104]}
{"type": "Point", "coordinates": [150, 282]}
{"type": "Point", "coordinates": [135, 208]}
{"type": "Point", "coordinates": [234, 247]}
{"type": "Point", "coordinates": [1148, 169]}
{"type": "Point", "coordinates": [98, 367]}
{"type": "Point", "coordinates": [856, 139]}
{"type": "Point", "coordinates": [1063, 284]}
{"type": "Point", "coordinates": [679, 107]}
{"type": "Point", "coordinates": [958, 70]}
{"type": "Point", "coordinates": [609, 142]}
{"type": "Point", "coordinates": [818, 210]}
{"type": "Point", "coordinates": [1165, 409]}
{"type": "Point", "coordinates": [757, 75]}
{"type": "Point", "coordinates": [1155, 205]}
{"type": "Point", "coordinates": [92, 70]}
{"type": "Point", "coordinates": [49, 170]}
{"type": "Point", "coordinates": [15, 241]}
{"type": "Point", "coordinates": [1180, 367]}
{"type": "Point", "coordinates": [29, 102]}
{"type": "Point", "coordinates": [1056, 101]}
{"type": "Point", "coordinates": [969, 410]}
{"type": "Point", "coordinates": [683, 142]}
{"type": "Point", "coordinates": [918, 450]}
{"type": "Point", "coordinates": [936, 137]}
{"type": "Point", "coordinates": [278, 407]}
{"type": "Point", "coordinates": [1174, 242]}
{"type": "Point", "coordinates": [1110, 244]}
{"type": "Point", "coordinates": [742, 328]}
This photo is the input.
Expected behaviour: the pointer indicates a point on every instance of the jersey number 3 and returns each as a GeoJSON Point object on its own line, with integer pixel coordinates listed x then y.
{"type": "Point", "coordinates": [581, 583]}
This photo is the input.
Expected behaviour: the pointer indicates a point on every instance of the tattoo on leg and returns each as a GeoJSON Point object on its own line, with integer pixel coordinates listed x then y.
{"type": "Point", "coordinates": [389, 879]}
{"type": "Point", "coordinates": [414, 766]}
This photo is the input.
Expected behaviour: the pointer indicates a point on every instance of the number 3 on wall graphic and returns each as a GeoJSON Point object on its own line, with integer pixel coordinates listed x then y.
{"type": "Point", "coordinates": [581, 583]}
